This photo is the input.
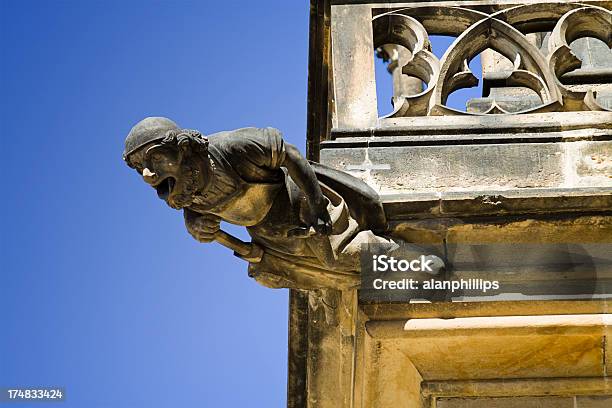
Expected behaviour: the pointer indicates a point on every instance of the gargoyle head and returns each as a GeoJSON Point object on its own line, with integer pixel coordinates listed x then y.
{"type": "Point", "coordinates": [174, 161]}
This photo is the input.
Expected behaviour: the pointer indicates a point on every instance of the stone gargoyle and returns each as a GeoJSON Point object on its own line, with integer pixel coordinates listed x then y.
{"type": "Point", "coordinates": [307, 221]}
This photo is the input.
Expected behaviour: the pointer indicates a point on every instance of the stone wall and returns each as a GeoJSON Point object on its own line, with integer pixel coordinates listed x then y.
{"type": "Point", "coordinates": [530, 162]}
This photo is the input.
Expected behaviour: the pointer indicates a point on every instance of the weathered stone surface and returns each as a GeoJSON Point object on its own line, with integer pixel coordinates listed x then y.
{"type": "Point", "coordinates": [495, 388]}
{"type": "Point", "coordinates": [413, 170]}
{"type": "Point", "coordinates": [490, 177]}
{"type": "Point", "coordinates": [593, 402]}
{"type": "Point", "coordinates": [497, 347]}
{"type": "Point", "coordinates": [485, 176]}
{"type": "Point", "coordinates": [526, 402]}
{"type": "Point", "coordinates": [353, 65]}
{"type": "Point", "coordinates": [507, 402]}
{"type": "Point", "coordinates": [448, 310]}
{"type": "Point", "coordinates": [389, 379]}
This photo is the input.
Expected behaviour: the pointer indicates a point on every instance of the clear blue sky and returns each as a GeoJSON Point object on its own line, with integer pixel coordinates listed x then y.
{"type": "Point", "coordinates": [102, 290]}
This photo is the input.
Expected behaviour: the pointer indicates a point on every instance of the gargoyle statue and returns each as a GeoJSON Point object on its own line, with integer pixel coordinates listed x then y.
{"type": "Point", "coordinates": [307, 222]}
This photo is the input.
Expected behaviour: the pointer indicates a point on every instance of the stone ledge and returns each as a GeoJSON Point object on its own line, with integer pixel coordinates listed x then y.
{"type": "Point", "coordinates": [586, 324]}
{"type": "Point", "coordinates": [481, 124]}
{"type": "Point", "coordinates": [497, 202]}
{"type": "Point", "coordinates": [517, 388]}
{"type": "Point", "coordinates": [352, 139]}
{"type": "Point", "coordinates": [447, 310]}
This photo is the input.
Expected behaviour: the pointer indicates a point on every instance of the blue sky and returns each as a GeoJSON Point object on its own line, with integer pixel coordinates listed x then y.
{"type": "Point", "coordinates": [102, 291]}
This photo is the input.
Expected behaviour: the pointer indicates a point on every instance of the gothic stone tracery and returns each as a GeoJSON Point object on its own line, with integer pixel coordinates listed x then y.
{"type": "Point", "coordinates": [535, 38]}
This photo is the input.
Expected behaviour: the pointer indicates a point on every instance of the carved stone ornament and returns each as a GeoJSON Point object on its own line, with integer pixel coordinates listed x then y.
{"type": "Point", "coordinates": [503, 31]}
{"type": "Point", "coordinates": [308, 222]}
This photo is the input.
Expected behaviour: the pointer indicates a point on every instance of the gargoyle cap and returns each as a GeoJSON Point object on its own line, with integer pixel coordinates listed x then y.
{"type": "Point", "coordinates": [146, 131]}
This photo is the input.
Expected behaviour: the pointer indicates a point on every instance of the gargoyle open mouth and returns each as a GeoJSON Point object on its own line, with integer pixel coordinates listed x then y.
{"type": "Point", "coordinates": [164, 188]}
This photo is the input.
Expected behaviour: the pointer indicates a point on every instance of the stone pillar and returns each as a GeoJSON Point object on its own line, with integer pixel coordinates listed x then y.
{"type": "Point", "coordinates": [397, 56]}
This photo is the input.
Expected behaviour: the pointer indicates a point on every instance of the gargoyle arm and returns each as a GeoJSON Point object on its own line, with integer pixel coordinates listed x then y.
{"type": "Point", "coordinates": [304, 176]}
